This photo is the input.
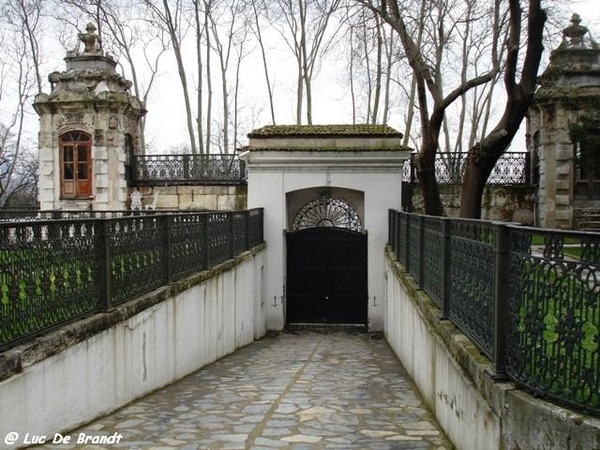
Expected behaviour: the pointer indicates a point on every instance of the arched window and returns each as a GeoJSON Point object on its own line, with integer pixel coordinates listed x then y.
{"type": "Point", "coordinates": [75, 165]}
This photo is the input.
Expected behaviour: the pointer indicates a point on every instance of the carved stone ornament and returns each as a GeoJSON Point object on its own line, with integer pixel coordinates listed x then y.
{"type": "Point", "coordinates": [70, 119]}
{"type": "Point", "coordinates": [90, 40]}
{"type": "Point", "coordinates": [74, 120]}
{"type": "Point", "coordinates": [574, 36]}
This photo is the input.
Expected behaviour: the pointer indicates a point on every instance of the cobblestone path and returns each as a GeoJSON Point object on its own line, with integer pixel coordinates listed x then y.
{"type": "Point", "coordinates": [298, 390]}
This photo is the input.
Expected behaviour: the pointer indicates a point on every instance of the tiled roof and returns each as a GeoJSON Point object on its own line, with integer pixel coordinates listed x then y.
{"type": "Point", "coordinates": [324, 130]}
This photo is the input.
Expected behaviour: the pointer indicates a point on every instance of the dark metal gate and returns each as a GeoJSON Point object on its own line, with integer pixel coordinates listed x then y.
{"type": "Point", "coordinates": [326, 276]}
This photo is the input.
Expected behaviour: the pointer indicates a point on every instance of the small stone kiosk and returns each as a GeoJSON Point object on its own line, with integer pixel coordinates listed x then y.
{"type": "Point", "coordinates": [89, 130]}
{"type": "Point", "coordinates": [326, 191]}
{"type": "Point", "coordinates": [569, 89]}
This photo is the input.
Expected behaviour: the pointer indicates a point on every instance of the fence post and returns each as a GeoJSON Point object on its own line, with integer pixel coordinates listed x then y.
{"type": "Point", "coordinates": [104, 270]}
{"type": "Point", "coordinates": [446, 267]}
{"type": "Point", "coordinates": [168, 247]}
{"type": "Point", "coordinates": [501, 265]}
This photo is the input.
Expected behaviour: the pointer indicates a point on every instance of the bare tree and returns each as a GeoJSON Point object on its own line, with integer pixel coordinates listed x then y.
{"type": "Point", "coordinates": [229, 31]}
{"type": "Point", "coordinates": [20, 80]}
{"type": "Point", "coordinates": [372, 60]}
{"type": "Point", "coordinates": [304, 26]}
{"type": "Point", "coordinates": [426, 62]}
{"type": "Point", "coordinates": [168, 16]}
{"type": "Point", "coordinates": [519, 95]}
{"type": "Point", "coordinates": [257, 25]}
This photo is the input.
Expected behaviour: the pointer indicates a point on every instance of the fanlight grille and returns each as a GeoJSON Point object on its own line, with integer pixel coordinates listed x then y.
{"type": "Point", "coordinates": [327, 212]}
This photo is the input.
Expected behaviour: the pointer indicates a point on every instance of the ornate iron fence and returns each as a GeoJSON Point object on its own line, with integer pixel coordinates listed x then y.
{"type": "Point", "coordinates": [511, 169]}
{"type": "Point", "coordinates": [189, 169]}
{"type": "Point", "coordinates": [528, 298]}
{"type": "Point", "coordinates": [56, 271]}
{"type": "Point", "coordinates": [27, 215]}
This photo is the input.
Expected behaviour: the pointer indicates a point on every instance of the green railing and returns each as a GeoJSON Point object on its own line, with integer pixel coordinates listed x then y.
{"type": "Point", "coordinates": [529, 298]}
{"type": "Point", "coordinates": [56, 271]}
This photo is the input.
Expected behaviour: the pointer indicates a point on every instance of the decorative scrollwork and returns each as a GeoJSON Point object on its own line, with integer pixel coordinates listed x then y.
{"type": "Point", "coordinates": [511, 169]}
{"type": "Point", "coordinates": [213, 169]}
{"type": "Point", "coordinates": [327, 212]}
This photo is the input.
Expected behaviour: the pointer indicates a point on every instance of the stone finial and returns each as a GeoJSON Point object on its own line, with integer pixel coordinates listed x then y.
{"type": "Point", "coordinates": [573, 35]}
{"type": "Point", "coordinates": [90, 40]}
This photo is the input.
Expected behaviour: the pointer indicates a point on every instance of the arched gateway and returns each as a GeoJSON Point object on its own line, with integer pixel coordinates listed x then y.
{"type": "Point", "coordinates": [326, 264]}
{"type": "Point", "coordinates": [326, 191]}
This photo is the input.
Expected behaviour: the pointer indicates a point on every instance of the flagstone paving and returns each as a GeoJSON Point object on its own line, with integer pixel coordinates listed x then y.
{"type": "Point", "coordinates": [296, 390]}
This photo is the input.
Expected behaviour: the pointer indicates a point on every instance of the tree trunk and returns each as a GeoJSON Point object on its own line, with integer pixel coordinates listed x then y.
{"type": "Point", "coordinates": [264, 62]}
{"type": "Point", "coordinates": [427, 180]}
{"type": "Point", "coordinates": [484, 155]}
{"type": "Point", "coordinates": [207, 6]}
{"type": "Point", "coordinates": [199, 66]}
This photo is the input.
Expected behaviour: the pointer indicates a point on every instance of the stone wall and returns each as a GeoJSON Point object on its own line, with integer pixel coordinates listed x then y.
{"type": "Point", "coordinates": [185, 197]}
{"type": "Point", "coordinates": [69, 377]}
{"type": "Point", "coordinates": [457, 383]}
{"type": "Point", "coordinates": [502, 203]}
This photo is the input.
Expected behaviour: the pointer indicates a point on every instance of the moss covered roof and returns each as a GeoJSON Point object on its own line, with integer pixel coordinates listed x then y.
{"type": "Point", "coordinates": [326, 149]}
{"type": "Point", "coordinates": [324, 130]}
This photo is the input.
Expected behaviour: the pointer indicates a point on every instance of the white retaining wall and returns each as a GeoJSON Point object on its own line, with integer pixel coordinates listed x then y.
{"type": "Point", "coordinates": [476, 410]}
{"type": "Point", "coordinates": [465, 416]}
{"type": "Point", "coordinates": [141, 354]}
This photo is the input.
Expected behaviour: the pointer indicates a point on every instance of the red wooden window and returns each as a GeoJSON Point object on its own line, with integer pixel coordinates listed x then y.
{"type": "Point", "coordinates": [75, 165]}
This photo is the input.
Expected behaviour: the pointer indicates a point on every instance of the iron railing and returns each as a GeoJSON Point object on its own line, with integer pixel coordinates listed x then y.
{"type": "Point", "coordinates": [528, 298]}
{"type": "Point", "coordinates": [24, 215]}
{"type": "Point", "coordinates": [188, 169]}
{"type": "Point", "coordinates": [511, 169]}
{"type": "Point", "coordinates": [55, 271]}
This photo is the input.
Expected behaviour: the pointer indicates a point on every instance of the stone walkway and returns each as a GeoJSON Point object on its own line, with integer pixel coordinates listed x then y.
{"type": "Point", "coordinates": [298, 390]}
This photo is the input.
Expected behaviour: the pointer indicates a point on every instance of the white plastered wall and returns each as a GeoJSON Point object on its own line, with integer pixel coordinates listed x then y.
{"type": "Point", "coordinates": [273, 174]}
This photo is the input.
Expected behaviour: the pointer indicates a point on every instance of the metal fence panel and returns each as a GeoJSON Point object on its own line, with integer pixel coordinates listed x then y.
{"type": "Point", "coordinates": [472, 280]}
{"type": "Point", "coordinates": [137, 256]}
{"type": "Point", "coordinates": [433, 258]}
{"type": "Point", "coordinates": [48, 276]}
{"type": "Point", "coordinates": [255, 226]}
{"type": "Point", "coordinates": [413, 258]}
{"type": "Point", "coordinates": [511, 169]}
{"type": "Point", "coordinates": [55, 271]}
{"type": "Point", "coordinates": [554, 310]}
{"type": "Point", "coordinates": [219, 241]}
{"type": "Point", "coordinates": [528, 298]}
{"type": "Point", "coordinates": [188, 246]}
{"type": "Point", "coordinates": [213, 169]}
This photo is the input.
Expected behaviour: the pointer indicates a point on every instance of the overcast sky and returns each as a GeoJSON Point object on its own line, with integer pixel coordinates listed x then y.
{"type": "Point", "coordinates": [331, 95]}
